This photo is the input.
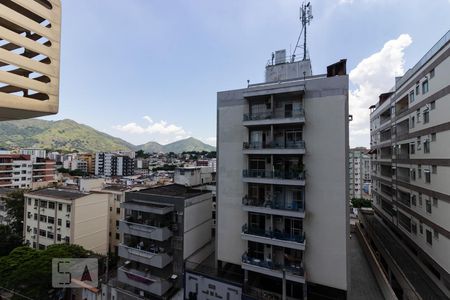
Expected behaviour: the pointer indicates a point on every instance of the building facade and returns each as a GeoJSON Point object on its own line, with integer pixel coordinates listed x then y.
{"type": "Point", "coordinates": [275, 168]}
{"type": "Point", "coordinates": [161, 228]}
{"type": "Point", "coordinates": [410, 136]}
{"type": "Point", "coordinates": [16, 171]}
{"type": "Point", "coordinates": [113, 164]}
{"type": "Point", "coordinates": [54, 216]}
{"type": "Point", "coordinates": [359, 173]}
{"type": "Point", "coordinates": [31, 34]}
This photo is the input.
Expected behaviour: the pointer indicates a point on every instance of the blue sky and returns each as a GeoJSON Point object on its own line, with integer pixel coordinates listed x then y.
{"type": "Point", "coordinates": [148, 70]}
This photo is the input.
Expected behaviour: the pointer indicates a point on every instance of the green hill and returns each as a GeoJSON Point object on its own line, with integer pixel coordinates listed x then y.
{"type": "Point", "coordinates": [68, 135]}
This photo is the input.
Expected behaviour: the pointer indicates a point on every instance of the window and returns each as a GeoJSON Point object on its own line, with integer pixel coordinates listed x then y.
{"type": "Point", "coordinates": [42, 218]}
{"type": "Point", "coordinates": [428, 206]}
{"type": "Point", "coordinates": [67, 239]}
{"type": "Point", "coordinates": [429, 237]}
{"type": "Point", "coordinates": [58, 237]}
{"type": "Point", "coordinates": [420, 199]}
{"type": "Point", "coordinates": [432, 73]}
{"type": "Point", "coordinates": [417, 88]}
{"type": "Point", "coordinates": [419, 171]}
{"type": "Point", "coordinates": [413, 174]}
{"type": "Point", "coordinates": [51, 220]}
{"type": "Point", "coordinates": [412, 148]}
{"type": "Point", "coordinates": [435, 234]}
{"type": "Point", "coordinates": [433, 105]}
{"type": "Point", "coordinates": [68, 208]}
{"type": "Point", "coordinates": [29, 201]}
{"type": "Point", "coordinates": [35, 217]}
{"type": "Point", "coordinates": [43, 204]}
{"type": "Point", "coordinates": [51, 205]}
{"type": "Point", "coordinates": [427, 176]}
{"type": "Point", "coordinates": [433, 137]}
{"type": "Point", "coordinates": [426, 146]}
{"type": "Point", "coordinates": [414, 227]}
{"type": "Point", "coordinates": [59, 222]}
{"type": "Point", "coordinates": [118, 210]}
{"type": "Point", "coordinates": [412, 122]}
{"type": "Point", "coordinates": [35, 230]}
{"type": "Point", "coordinates": [117, 236]}
{"type": "Point", "coordinates": [418, 143]}
{"type": "Point", "coordinates": [418, 115]}
{"type": "Point", "coordinates": [50, 235]}
{"type": "Point", "coordinates": [67, 224]}
{"type": "Point", "coordinates": [411, 96]}
{"type": "Point", "coordinates": [434, 169]}
{"type": "Point", "coordinates": [117, 223]}
{"type": "Point", "coordinates": [421, 228]}
{"type": "Point", "coordinates": [36, 202]}
{"type": "Point", "coordinates": [414, 200]}
{"type": "Point", "coordinates": [426, 117]}
{"type": "Point", "coordinates": [435, 202]}
{"type": "Point", "coordinates": [425, 87]}
{"type": "Point", "coordinates": [42, 232]}
{"type": "Point", "coordinates": [59, 206]}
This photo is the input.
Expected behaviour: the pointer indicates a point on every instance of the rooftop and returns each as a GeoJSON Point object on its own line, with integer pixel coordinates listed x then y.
{"type": "Point", "coordinates": [173, 190]}
{"type": "Point", "coordinates": [63, 194]}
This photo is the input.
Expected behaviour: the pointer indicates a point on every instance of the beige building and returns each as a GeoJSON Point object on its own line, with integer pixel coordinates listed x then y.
{"type": "Point", "coordinates": [31, 30]}
{"type": "Point", "coordinates": [282, 192]}
{"type": "Point", "coordinates": [55, 216]}
{"type": "Point", "coordinates": [410, 140]}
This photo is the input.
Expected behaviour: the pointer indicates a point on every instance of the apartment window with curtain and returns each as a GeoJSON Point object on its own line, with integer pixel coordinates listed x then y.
{"type": "Point", "coordinates": [417, 88]}
{"type": "Point", "coordinates": [427, 176]}
{"type": "Point", "coordinates": [426, 117]}
{"type": "Point", "coordinates": [411, 96]}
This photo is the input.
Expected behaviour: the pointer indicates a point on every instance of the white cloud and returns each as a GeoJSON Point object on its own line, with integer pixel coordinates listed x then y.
{"type": "Point", "coordinates": [160, 128]}
{"type": "Point", "coordinates": [373, 76]}
{"type": "Point", "coordinates": [345, 1]}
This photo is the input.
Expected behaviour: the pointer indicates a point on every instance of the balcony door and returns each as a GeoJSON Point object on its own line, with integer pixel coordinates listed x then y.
{"type": "Point", "coordinates": [293, 137]}
{"type": "Point", "coordinates": [293, 227]}
{"type": "Point", "coordinates": [288, 110]}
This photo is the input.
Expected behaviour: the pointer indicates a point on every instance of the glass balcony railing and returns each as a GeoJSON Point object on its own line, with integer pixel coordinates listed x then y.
{"type": "Point", "coordinates": [277, 174]}
{"type": "Point", "coordinates": [297, 113]}
{"type": "Point", "coordinates": [274, 145]}
{"type": "Point", "coordinates": [274, 234]}
{"type": "Point", "coordinates": [273, 203]}
{"type": "Point", "coordinates": [268, 264]}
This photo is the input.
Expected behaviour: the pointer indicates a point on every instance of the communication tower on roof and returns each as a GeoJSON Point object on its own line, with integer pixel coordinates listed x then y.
{"type": "Point", "coordinates": [305, 18]}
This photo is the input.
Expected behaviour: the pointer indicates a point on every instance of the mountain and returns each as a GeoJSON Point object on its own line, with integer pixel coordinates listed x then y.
{"type": "Point", "coordinates": [68, 135]}
{"type": "Point", "coordinates": [189, 144]}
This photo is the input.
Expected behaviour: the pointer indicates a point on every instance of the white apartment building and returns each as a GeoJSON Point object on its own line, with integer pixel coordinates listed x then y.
{"type": "Point", "coordinates": [359, 173]}
{"type": "Point", "coordinates": [34, 152]}
{"type": "Point", "coordinates": [114, 164]}
{"type": "Point", "coordinates": [410, 139]}
{"type": "Point", "coordinates": [16, 171]}
{"type": "Point", "coordinates": [193, 176]}
{"type": "Point", "coordinates": [54, 216]}
{"type": "Point", "coordinates": [282, 186]}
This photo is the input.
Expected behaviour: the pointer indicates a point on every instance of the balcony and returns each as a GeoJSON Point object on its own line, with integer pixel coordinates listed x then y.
{"type": "Point", "coordinates": [293, 273]}
{"type": "Point", "coordinates": [275, 206]}
{"type": "Point", "coordinates": [274, 237]}
{"type": "Point", "coordinates": [289, 147]}
{"type": "Point", "coordinates": [152, 257]}
{"type": "Point", "coordinates": [143, 281]}
{"type": "Point", "coordinates": [146, 231]}
{"type": "Point", "coordinates": [29, 81]}
{"type": "Point", "coordinates": [148, 207]}
{"type": "Point", "coordinates": [289, 177]}
{"type": "Point", "coordinates": [270, 117]}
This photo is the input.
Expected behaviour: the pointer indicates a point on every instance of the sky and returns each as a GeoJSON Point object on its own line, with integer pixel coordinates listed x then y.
{"type": "Point", "coordinates": [149, 70]}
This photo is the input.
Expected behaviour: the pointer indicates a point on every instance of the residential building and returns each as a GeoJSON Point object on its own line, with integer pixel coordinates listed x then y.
{"type": "Point", "coordinates": [193, 176]}
{"type": "Point", "coordinates": [410, 151]}
{"type": "Point", "coordinates": [16, 171]}
{"type": "Point", "coordinates": [162, 227]}
{"type": "Point", "coordinates": [44, 172]}
{"type": "Point", "coordinates": [34, 152]}
{"type": "Point", "coordinates": [79, 164]}
{"type": "Point", "coordinates": [282, 156]}
{"type": "Point", "coordinates": [359, 173]}
{"type": "Point", "coordinates": [54, 216]}
{"type": "Point", "coordinates": [89, 158]}
{"type": "Point", "coordinates": [31, 33]}
{"type": "Point", "coordinates": [114, 164]}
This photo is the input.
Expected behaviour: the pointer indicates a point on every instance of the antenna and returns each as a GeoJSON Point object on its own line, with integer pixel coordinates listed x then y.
{"type": "Point", "coordinates": [305, 18]}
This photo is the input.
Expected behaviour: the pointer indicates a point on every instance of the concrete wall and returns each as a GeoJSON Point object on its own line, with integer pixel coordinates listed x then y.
{"type": "Point", "coordinates": [90, 224]}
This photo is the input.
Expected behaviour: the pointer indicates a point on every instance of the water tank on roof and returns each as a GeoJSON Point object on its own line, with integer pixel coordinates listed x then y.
{"type": "Point", "coordinates": [280, 57]}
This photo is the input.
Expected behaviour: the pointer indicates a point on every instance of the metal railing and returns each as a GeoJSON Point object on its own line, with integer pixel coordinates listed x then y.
{"type": "Point", "coordinates": [274, 234]}
{"type": "Point", "coordinates": [268, 264]}
{"type": "Point", "coordinates": [275, 203]}
{"type": "Point", "coordinates": [267, 115]}
{"type": "Point", "coordinates": [274, 145]}
{"type": "Point", "coordinates": [277, 174]}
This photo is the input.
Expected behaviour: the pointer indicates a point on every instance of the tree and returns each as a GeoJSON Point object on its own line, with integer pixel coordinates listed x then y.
{"type": "Point", "coordinates": [28, 271]}
{"type": "Point", "coordinates": [9, 240]}
{"type": "Point", "coordinates": [361, 202]}
{"type": "Point", "coordinates": [14, 202]}
{"type": "Point", "coordinates": [63, 170]}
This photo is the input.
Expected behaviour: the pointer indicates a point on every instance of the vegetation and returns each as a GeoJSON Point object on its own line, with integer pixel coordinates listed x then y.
{"type": "Point", "coordinates": [76, 172]}
{"type": "Point", "coordinates": [165, 167]}
{"type": "Point", "coordinates": [9, 240]}
{"type": "Point", "coordinates": [361, 202]}
{"type": "Point", "coordinates": [14, 204]}
{"type": "Point", "coordinates": [28, 271]}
